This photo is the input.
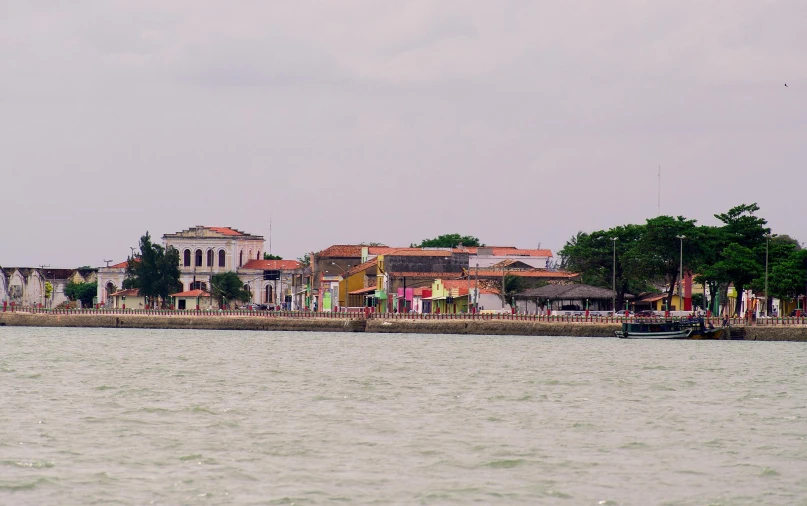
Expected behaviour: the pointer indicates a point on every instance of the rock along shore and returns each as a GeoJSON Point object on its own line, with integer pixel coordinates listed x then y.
{"type": "Point", "coordinates": [380, 325]}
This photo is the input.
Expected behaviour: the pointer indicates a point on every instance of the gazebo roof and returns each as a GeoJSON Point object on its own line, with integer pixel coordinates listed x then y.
{"type": "Point", "coordinates": [567, 292]}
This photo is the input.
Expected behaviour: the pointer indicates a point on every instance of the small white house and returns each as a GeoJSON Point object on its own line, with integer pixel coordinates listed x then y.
{"type": "Point", "coordinates": [128, 299]}
{"type": "Point", "coordinates": [192, 299]}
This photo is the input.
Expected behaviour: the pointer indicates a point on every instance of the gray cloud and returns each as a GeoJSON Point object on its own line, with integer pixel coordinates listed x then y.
{"type": "Point", "coordinates": [517, 121]}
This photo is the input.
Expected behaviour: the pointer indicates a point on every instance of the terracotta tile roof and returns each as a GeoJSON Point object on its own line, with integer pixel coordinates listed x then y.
{"type": "Point", "coordinates": [418, 252]}
{"type": "Point", "coordinates": [433, 275]}
{"type": "Point", "coordinates": [191, 293]}
{"type": "Point", "coordinates": [225, 230]}
{"type": "Point", "coordinates": [456, 283]}
{"type": "Point", "coordinates": [353, 251]}
{"type": "Point", "coordinates": [361, 267]}
{"type": "Point", "coordinates": [272, 265]}
{"type": "Point", "coordinates": [369, 289]}
{"type": "Point", "coordinates": [121, 265]}
{"type": "Point", "coordinates": [535, 273]}
{"type": "Point", "coordinates": [501, 251]}
{"type": "Point", "coordinates": [131, 292]}
{"type": "Point", "coordinates": [341, 251]}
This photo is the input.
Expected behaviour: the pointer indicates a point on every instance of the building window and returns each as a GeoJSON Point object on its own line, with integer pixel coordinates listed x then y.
{"type": "Point", "coordinates": [210, 258]}
{"type": "Point", "coordinates": [198, 258]}
{"type": "Point", "coordinates": [258, 256]}
{"type": "Point", "coordinates": [221, 258]}
{"type": "Point", "coordinates": [199, 285]}
{"type": "Point", "coordinates": [187, 258]}
{"type": "Point", "coordinates": [241, 258]}
{"type": "Point", "coordinates": [181, 287]}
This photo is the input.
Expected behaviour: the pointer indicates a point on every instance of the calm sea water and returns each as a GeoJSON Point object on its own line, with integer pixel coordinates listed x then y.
{"type": "Point", "coordinates": [120, 416]}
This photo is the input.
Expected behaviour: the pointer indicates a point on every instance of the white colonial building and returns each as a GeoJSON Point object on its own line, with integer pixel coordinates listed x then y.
{"type": "Point", "coordinates": [25, 286]}
{"type": "Point", "coordinates": [206, 251]}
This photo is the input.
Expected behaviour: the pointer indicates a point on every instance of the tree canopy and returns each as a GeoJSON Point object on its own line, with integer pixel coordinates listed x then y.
{"type": "Point", "coordinates": [153, 271]}
{"type": "Point", "coordinates": [449, 241]}
{"type": "Point", "coordinates": [269, 256]}
{"type": "Point", "coordinates": [227, 287]}
{"type": "Point", "coordinates": [84, 292]}
{"type": "Point", "coordinates": [649, 255]}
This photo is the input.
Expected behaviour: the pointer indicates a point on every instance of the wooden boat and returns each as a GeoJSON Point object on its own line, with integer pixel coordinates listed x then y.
{"type": "Point", "coordinates": [671, 329]}
{"type": "Point", "coordinates": [653, 330]}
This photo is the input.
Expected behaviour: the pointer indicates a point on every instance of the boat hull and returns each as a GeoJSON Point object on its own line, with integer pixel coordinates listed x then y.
{"type": "Point", "coordinates": [676, 334]}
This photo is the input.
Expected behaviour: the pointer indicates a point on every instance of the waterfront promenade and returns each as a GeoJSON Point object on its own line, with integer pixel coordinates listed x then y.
{"type": "Point", "coordinates": [778, 329]}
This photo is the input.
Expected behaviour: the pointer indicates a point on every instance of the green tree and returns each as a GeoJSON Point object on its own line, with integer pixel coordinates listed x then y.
{"type": "Point", "coordinates": [84, 292]}
{"type": "Point", "coordinates": [268, 256]}
{"type": "Point", "coordinates": [743, 229]}
{"type": "Point", "coordinates": [227, 287]}
{"type": "Point", "coordinates": [512, 285]}
{"type": "Point", "coordinates": [154, 271]}
{"type": "Point", "coordinates": [657, 253]}
{"type": "Point", "coordinates": [48, 289]}
{"type": "Point", "coordinates": [305, 260]}
{"type": "Point", "coordinates": [448, 241]}
{"type": "Point", "coordinates": [603, 254]}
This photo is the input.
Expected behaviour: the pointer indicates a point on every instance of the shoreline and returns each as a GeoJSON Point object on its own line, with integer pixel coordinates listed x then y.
{"type": "Point", "coordinates": [498, 327]}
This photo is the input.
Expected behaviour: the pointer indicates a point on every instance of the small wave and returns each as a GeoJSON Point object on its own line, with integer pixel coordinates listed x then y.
{"type": "Point", "coordinates": [505, 464]}
{"type": "Point", "coordinates": [195, 456]}
{"type": "Point", "coordinates": [767, 471]}
{"type": "Point", "coordinates": [105, 387]}
{"type": "Point", "coordinates": [558, 494]}
{"type": "Point", "coordinates": [634, 445]}
{"type": "Point", "coordinates": [34, 465]}
{"type": "Point", "coordinates": [24, 485]}
{"type": "Point", "coordinates": [34, 376]}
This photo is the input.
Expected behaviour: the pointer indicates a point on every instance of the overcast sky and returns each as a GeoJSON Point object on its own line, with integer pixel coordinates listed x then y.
{"type": "Point", "coordinates": [520, 122]}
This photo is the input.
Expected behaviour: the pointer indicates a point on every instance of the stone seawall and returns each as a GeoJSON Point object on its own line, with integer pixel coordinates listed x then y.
{"type": "Point", "coordinates": [468, 327]}
{"type": "Point", "coordinates": [183, 322]}
{"type": "Point", "coordinates": [794, 333]}
{"type": "Point", "coordinates": [493, 327]}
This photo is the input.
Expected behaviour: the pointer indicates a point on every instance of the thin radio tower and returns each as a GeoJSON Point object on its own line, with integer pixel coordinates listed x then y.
{"type": "Point", "coordinates": [658, 213]}
{"type": "Point", "coordinates": [270, 232]}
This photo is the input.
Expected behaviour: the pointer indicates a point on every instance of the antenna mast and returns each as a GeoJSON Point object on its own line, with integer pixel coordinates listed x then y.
{"type": "Point", "coordinates": [270, 232]}
{"type": "Point", "coordinates": [658, 213]}
{"type": "Point", "coordinates": [107, 262]}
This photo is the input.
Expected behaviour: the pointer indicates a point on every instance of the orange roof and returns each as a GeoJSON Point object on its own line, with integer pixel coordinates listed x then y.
{"type": "Point", "coordinates": [456, 283]}
{"type": "Point", "coordinates": [361, 267]}
{"type": "Point", "coordinates": [418, 252]}
{"type": "Point", "coordinates": [433, 275]}
{"type": "Point", "coordinates": [502, 251]}
{"type": "Point", "coordinates": [272, 265]}
{"type": "Point", "coordinates": [191, 293]}
{"type": "Point", "coordinates": [535, 273]}
{"type": "Point", "coordinates": [131, 292]}
{"type": "Point", "coordinates": [225, 230]}
{"type": "Point", "coordinates": [368, 289]}
{"type": "Point", "coordinates": [121, 265]}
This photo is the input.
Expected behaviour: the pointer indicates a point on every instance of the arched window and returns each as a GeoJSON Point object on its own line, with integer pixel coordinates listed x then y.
{"type": "Point", "coordinates": [241, 258]}
{"type": "Point", "coordinates": [266, 294]}
{"type": "Point", "coordinates": [180, 287]}
{"type": "Point", "coordinates": [221, 258]}
{"type": "Point", "coordinates": [198, 258]}
{"type": "Point", "coordinates": [187, 258]}
{"type": "Point", "coordinates": [258, 256]}
{"type": "Point", "coordinates": [270, 295]}
{"type": "Point", "coordinates": [210, 258]}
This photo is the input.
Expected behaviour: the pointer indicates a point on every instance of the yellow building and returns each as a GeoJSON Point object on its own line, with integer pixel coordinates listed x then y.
{"type": "Point", "coordinates": [449, 296]}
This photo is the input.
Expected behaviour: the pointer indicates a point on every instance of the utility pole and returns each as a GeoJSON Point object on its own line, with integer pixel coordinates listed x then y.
{"type": "Point", "coordinates": [42, 268]}
{"type": "Point", "coordinates": [658, 212]}
{"type": "Point", "coordinates": [476, 291]}
{"type": "Point", "coordinates": [767, 246]}
{"type": "Point", "coordinates": [681, 273]}
{"type": "Point", "coordinates": [613, 280]}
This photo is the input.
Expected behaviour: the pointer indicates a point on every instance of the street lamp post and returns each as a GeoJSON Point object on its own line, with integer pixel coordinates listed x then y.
{"type": "Point", "coordinates": [613, 280]}
{"type": "Point", "coordinates": [767, 246]}
{"type": "Point", "coordinates": [681, 272]}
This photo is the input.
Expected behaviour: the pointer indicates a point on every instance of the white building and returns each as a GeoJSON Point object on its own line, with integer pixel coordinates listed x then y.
{"type": "Point", "coordinates": [206, 251]}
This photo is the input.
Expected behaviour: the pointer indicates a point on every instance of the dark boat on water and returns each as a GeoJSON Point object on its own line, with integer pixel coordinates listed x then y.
{"type": "Point", "coordinates": [694, 328]}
